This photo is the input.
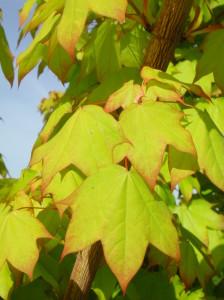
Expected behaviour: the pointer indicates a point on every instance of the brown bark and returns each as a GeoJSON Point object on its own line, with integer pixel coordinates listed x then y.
{"type": "Point", "coordinates": [83, 273]}
{"type": "Point", "coordinates": [166, 34]}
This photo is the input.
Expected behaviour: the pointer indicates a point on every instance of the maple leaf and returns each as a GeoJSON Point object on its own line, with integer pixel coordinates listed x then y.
{"type": "Point", "coordinates": [149, 128]}
{"type": "Point", "coordinates": [116, 206]}
{"type": "Point", "coordinates": [129, 93]}
{"type": "Point", "coordinates": [165, 87]}
{"type": "Point", "coordinates": [86, 140]}
{"type": "Point", "coordinates": [75, 14]}
{"type": "Point", "coordinates": [19, 232]}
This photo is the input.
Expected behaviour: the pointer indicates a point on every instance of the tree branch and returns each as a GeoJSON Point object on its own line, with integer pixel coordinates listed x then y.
{"type": "Point", "coordinates": [83, 273]}
{"type": "Point", "coordinates": [166, 34]}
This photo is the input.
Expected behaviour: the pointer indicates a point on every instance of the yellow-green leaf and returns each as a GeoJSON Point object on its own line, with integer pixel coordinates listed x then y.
{"type": "Point", "coordinates": [149, 128]}
{"type": "Point", "coordinates": [75, 14]}
{"type": "Point", "coordinates": [116, 206]}
{"type": "Point", "coordinates": [209, 143]}
{"type": "Point", "coordinates": [86, 140]}
{"type": "Point", "coordinates": [19, 232]}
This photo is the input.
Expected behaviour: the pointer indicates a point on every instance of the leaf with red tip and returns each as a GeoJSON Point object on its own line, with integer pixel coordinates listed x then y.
{"type": "Point", "coordinates": [75, 14]}
{"type": "Point", "coordinates": [116, 206]}
{"type": "Point", "coordinates": [129, 93]}
{"type": "Point", "coordinates": [86, 140]}
{"type": "Point", "coordinates": [149, 128]}
{"type": "Point", "coordinates": [25, 11]}
{"type": "Point", "coordinates": [19, 232]}
{"type": "Point", "coordinates": [166, 87]}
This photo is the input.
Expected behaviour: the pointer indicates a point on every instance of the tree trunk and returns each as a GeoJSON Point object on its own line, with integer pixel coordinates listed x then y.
{"type": "Point", "coordinates": [167, 33]}
{"type": "Point", "coordinates": [165, 36]}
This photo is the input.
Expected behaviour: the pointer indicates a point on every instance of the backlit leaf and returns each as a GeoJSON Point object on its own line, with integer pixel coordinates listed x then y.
{"type": "Point", "coordinates": [86, 140]}
{"type": "Point", "coordinates": [198, 217]}
{"type": "Point", "coordinates": [129, 93]}
{"type": "Point", "coordinates": [116, 207]}
{"type": "Point", "coordinates": [150, 127]}
{"type": "Point", "coordinates": [75, 14]}
{"type": "Point", "coordinates": [19, 232]}
{"type": "Point", "coordinates": [212, 59]}
{"type": "Point", "coordinates": [6, 281]}
{"type": "Point", "coordinates": [209, 143]}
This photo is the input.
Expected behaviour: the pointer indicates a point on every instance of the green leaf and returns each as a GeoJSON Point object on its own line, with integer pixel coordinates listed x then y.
{"type": "Point", "coordinates": [60, 112]}
{"type": "Point", "coordinates": [6, 281]}
{"type": "Point", "coordinates": [3, 169]}
{"type": "Point", "coordinates": [188, 265]}
{"type": "Point", "coordinates": [209, 143]}
{"type": "Point", "coordinates": [116, 207]}
{"type": "Point", "coordinates": [43, 11]}
{"type": "Point", "coordinates": [86, 140]}
{"type": "Point", "coordinates": [39, 289]}
{"type": "Point", "coordinates": [40, 37]}
{"type": "Point", "coordinates": [30, 61]}
{"type": "Point", "coordinates": [103, 91]}
{"type": "Point", "coordinates": [104, 43]}
{"type": "Point", "coordinates": [133, 46]}
{"type": "Point", "coordinates": [150, 127]}
{"type": "Point", "coordinates": [166, 87]}
{"type": "Point", "coordinates": [48, 268]}
{"type": "Point", "coordinates": [19, 232]}
{"type": "Point", "coordinates": [198, 217]}
{"type": "Point", "coordinates": [6, 58]}
{"type": "Point", "coordinates": [216, 112]}
{"type": "Point", "coordinates": [152, 286]}
{"type": "Point", "coordinates": [212, 59]}
{"type": "Point", "coordinates": [62, 186]}
{"type": "Point", "coordinates": [75, 14]}
{"type": "Point", "coordinates": [104, 283]}
{"type": "Point", "coordinates": [57, 59]}
{"type": "Point", "coordinates": [181, 165]}
{"type": "Point", "coordinates": [187, 185]}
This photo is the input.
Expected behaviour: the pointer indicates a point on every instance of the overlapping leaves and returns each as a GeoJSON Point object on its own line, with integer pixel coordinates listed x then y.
{"type": "Point", "coordinates": [86, 140]}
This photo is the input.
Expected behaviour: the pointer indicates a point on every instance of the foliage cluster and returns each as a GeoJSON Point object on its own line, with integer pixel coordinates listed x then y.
{"type": "Point", "coordinates": [128, 155]}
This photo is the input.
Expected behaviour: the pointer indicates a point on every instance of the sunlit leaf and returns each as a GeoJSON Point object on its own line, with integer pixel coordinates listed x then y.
{"type": "Point", "coordinates": [198, 217]}
{"type": "Point", "coordinates": [20, 228]}
{"type": "Point", "coordinates": [75, 14]}
{"type": "Point", "coordinates": [86, 140]}
{"type": "Point", "coordinates": [116, 207]}
{"type": "Point", "coordinates": [209, 143]}
{"type": "Point", "coordinates": [150, 127]}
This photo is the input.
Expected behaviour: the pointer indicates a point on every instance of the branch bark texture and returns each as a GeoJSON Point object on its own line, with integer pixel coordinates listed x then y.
{"type": "Point", "coordinates": [167, 33]}
{"type": "Point", "coordinates": [165, 36]}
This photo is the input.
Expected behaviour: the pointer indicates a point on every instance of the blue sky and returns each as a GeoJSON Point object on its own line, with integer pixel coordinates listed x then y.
{"type": "Point", "coordinates": [18, 106]}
